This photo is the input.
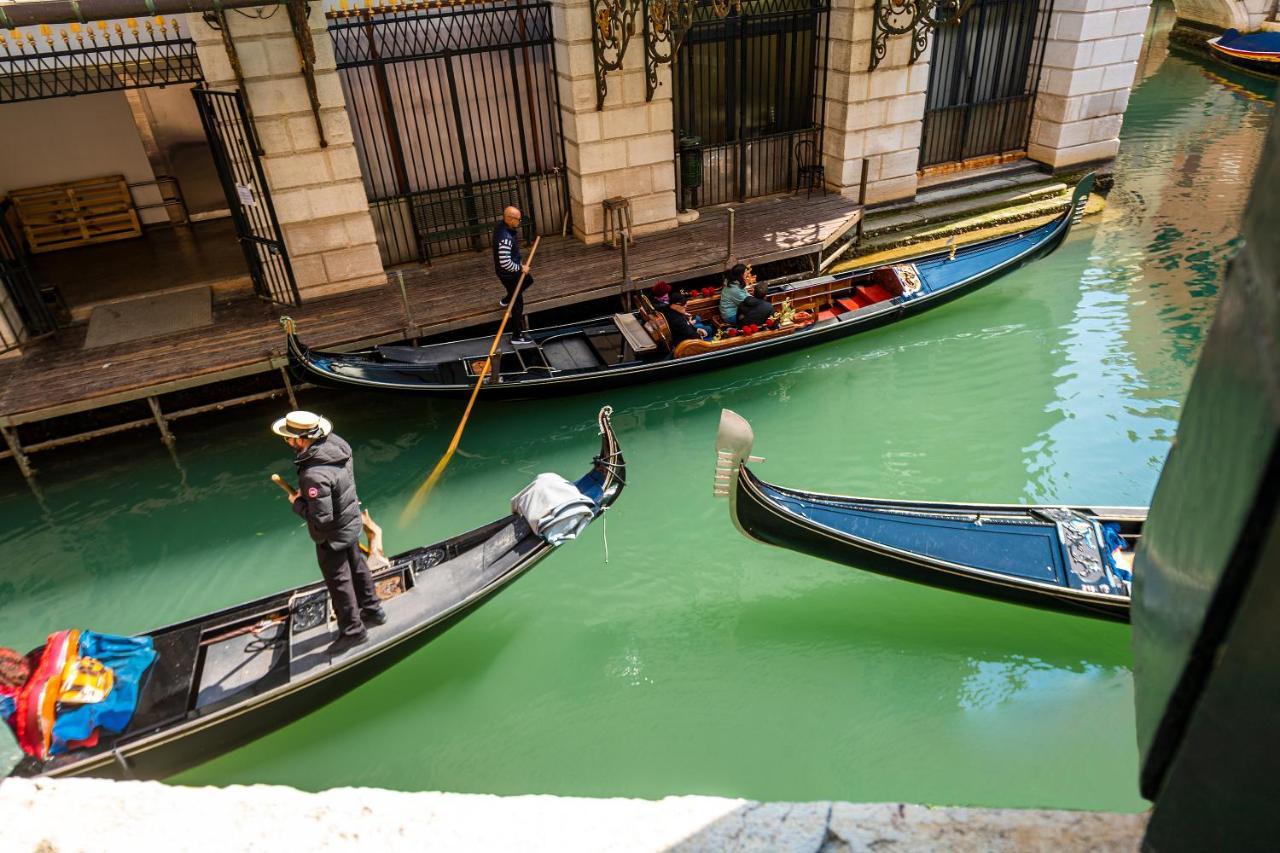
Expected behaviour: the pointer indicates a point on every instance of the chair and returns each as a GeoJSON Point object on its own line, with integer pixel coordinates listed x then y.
{"type": "Point", "coordinates": [809, 169]}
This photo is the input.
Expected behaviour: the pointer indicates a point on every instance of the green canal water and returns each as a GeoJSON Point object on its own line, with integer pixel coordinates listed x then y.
{"type": "Point", "coordinates": [694, 661]}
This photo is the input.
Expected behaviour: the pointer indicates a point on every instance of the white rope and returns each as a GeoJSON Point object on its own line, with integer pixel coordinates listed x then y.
{"type": "Point", "coordinates": [604, 522]}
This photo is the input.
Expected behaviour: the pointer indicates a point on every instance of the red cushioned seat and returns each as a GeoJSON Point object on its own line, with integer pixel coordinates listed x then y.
{"type": "Point", "coordinates": [874, 293]}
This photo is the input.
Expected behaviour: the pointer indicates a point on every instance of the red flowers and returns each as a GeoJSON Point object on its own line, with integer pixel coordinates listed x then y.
{"type": "Point", "coordinates": [708, 291]}
{"type": "Point", "coordinates": [750, 329]}
{"type": "Point", "coordinates": [771, 323]}
{"type": "Point", "coordinates": [732, 333]}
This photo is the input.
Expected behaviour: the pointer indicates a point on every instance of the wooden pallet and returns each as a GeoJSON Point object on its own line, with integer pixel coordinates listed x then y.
{"type": "Point", "coordinates": [61, 216]}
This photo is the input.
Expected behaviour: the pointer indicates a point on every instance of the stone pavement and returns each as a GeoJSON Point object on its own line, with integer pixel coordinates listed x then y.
{"type": "Point", "coordinates": [65, 816]}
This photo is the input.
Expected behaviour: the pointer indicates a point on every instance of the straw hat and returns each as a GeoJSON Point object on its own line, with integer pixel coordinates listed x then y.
{"type": "Point", "coordinates": [302, 425]}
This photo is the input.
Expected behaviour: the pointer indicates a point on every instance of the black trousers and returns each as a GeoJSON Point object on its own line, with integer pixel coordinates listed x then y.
{"type": "Point", "coordinates": [510, 282]}
{"type": "Point", "coordinates": [350, 584]}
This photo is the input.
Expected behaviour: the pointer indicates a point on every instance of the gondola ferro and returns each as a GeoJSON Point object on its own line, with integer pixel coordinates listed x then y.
{"type": "Point", "coordinates": [224, 679]}
{"type": "Point", "coordinates": [1052, 557]}
{"type": "Point", "coordinates": [631, 347]}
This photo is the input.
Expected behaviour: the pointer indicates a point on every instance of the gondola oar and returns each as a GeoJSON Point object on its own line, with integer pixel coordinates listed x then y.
{"type": "Point", "coordinates": [420, 496]}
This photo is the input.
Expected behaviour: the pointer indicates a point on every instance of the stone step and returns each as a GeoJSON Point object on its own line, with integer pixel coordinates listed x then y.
{"type": "Point", "coordinates": [1007, 170]}
{"type": "Point", "coordinates": [880, 222]}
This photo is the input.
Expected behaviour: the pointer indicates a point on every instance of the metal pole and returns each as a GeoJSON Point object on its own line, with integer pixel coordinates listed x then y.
{"type": "Point", "coordinates": [288, 388]}
{"type": "Point", "coordinates": [82, 11]}
{"type": "Point", "coordinates": [15, 447]}
{"type": "Point", "coordinates": [412, 329]}
{"type": "Point", "coordinates": [862, 198]}
{"type": "Point", "coordinates": [165, 435]}
{"type": "Point", "coordinates": [729, 257]}
{"type": "Point", "coordinates": [626, 272]}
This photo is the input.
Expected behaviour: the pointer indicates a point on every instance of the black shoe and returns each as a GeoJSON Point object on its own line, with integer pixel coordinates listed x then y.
{"type": "Point", "coordinates": [504, 302]}
{"type": "Point", "coordinates": [373, 617]}
{"type": "Point", "coordinates": [346, 642]}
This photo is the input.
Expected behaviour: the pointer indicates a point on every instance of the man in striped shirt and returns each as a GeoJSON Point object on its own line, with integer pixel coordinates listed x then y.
{"type": "Point", "coordinates": [506, 258]}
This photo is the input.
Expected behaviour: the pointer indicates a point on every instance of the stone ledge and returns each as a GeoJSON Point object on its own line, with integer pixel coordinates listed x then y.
{"type": "Point", "coordinates": [130, 816]}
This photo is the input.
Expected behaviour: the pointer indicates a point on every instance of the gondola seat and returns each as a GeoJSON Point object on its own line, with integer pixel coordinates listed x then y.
{"type": "Point", "coordinates": [166, 688]}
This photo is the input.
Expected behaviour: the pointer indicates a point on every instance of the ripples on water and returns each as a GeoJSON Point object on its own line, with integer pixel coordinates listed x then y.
{"type": "Point", "coordinates": [694, 661]}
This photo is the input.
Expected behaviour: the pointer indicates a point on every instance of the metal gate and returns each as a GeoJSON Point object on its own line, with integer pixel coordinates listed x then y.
{"type": "Point", "coordinates": [23, 313]}
{"type": "Point", "coordinates": [749, 96]}
{"type": "Point", "coordinates": [235, 153]}
{"type": "Point", "coordinates": [983, 79]}
{"type": "Point", "coordinates": [456, 115]}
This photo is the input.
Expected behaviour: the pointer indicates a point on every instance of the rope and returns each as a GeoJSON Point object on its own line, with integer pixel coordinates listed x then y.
{"type": "Point", "coordinates": [420, 496]}
{"type": "Point", "coordinates": [604, 522]}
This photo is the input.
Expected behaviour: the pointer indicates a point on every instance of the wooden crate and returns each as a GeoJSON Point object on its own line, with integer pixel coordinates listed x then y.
{"type": "Point", "coordinates": [61, 216]}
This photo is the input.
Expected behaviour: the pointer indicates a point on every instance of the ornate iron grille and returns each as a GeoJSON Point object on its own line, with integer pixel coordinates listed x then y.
{"type": "Point", "coordinates": [456, 115]}
{"type": "Point", "coordinates": [983, 77]}
{"type": "Point", "coordinates": [749, 89]}
{"type": "Point", "coordinates": [100, 57]}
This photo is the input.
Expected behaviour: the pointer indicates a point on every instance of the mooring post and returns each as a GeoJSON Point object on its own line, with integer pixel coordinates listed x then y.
{"type": "Point", "coordinates": [15, 447]}
{"type": "Point", "coordinates": [165, 435]}
{"type": "Point", "coordinates": [729, 257]}
{"type": "Point", "coordinates": [862, 199]}
{"type": "Point", "coordinates": [412, 329]}
{"type": "Point", "coordinates": [288, 388]}
{"type": "Point", "coordinates": [626, 272]}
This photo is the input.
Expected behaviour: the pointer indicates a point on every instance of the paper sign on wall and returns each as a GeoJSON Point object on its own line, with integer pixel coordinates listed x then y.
{"type": "Point", "coordinates": [245, 194]}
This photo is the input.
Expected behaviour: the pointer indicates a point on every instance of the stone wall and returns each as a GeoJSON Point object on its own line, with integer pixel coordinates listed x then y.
{"type": "Point", "coordinates": [626, 149]}
{"type": "Point", "coordinates": [872, 115]}
{"type": "Point", "coordinates": [1089, 65]}
{"type": "Point", "coordinates": [318, 193]}
{"type": "Point", "coordinates": [1244, 15]}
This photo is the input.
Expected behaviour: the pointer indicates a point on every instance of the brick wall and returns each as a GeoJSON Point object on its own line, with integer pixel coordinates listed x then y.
{"type": "Point", "coordinates": [1089, 64]}
{"type": "Point", "coordinates": [626, 149]}
{"type": "Point", "coordinates": [872, 115]}
{"type": "Point", "coordinates": [318, 192]}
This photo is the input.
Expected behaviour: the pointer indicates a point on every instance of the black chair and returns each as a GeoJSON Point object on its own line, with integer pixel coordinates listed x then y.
{"type": "Point", "coordinates": [810, 172]}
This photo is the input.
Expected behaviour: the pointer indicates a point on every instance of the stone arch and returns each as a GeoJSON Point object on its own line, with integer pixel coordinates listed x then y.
{"type": "Point", "coordinates": [1244, 15]}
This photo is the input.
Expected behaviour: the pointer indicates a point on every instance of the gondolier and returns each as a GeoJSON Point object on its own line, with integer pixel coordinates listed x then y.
{"type": "Point", "coordinates": [326, 498]}
{"type": "Point", "coordinates": [507, 262]}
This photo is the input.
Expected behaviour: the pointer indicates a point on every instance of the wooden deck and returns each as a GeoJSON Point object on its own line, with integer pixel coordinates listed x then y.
{"type": "Point", "coordinates": [58, 377]}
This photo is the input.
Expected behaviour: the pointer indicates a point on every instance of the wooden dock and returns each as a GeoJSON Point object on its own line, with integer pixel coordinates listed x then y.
{"type": "Point", "coordinates": [58, 377]}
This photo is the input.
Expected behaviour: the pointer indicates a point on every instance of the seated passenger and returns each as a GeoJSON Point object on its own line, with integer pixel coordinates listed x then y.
{"type": "Point", "coordinates": [683, 326]}
{"type": "Point", "coordinates": [60, 696]}
{"type": "Point", "coordinates": [733, 294]}
{"type": "Point", "coordinates": [661, 293]}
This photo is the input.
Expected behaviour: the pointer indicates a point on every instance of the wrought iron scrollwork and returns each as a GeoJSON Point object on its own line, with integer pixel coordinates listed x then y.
{"type": "Point", "coordinates": [666, 23]}
{"type": "Point", "coordinates": [613, 24]}
{"type": "Point", "coordinates": [918, 17]}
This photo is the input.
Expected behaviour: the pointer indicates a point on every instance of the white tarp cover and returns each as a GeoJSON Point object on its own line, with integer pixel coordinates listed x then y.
{"type": "Point", "coordinates": [554, 508]}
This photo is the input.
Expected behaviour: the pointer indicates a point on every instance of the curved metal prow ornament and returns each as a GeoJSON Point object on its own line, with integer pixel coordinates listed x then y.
{"type": "Point", "coordinates": [734, 441]}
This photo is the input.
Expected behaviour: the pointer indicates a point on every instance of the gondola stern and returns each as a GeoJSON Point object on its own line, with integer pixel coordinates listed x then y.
{"type": "Point", "coordinates": [610, 460]}
{"type": "Point", "coordinates": [1080, 197]}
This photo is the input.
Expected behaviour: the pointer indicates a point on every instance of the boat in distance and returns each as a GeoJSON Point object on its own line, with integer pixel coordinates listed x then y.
{"type": "Point", "coordinates": [1257, 52]}
{"type": "Point", "coordinates": [1051, 557]}
{"type": "Point", "coordinates": [633, 346]}
{"type": "Point", "coordinates": [223, 679]}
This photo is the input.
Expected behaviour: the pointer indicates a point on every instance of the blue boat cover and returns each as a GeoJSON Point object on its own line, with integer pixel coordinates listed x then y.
{"type": "Point", "coordinates": [1253, 42]}
{"type": "Point", "coordinates": [1029, 550]}
{"type": "Point", "coordinates": [943, 272]}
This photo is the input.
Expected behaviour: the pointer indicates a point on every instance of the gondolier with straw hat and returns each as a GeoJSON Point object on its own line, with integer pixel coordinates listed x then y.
{"type": "Point", "coordinates": [326, 498]}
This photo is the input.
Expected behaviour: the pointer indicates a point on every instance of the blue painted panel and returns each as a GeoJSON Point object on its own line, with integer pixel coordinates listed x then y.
{"type": "Point", "coordinates": [942, 273]}
{"type": "Point", "coordinates": [1026, 551]}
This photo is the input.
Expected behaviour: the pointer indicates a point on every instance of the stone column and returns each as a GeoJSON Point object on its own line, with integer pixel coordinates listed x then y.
{"type": "Point", "coordinates": [318, 193]}
{"type": "Point", "coordinates": [626, 149]}
{"type": "Point", "coordinates": [1089, 65]}
{"type": "Point", "coordinates": [872, 115]}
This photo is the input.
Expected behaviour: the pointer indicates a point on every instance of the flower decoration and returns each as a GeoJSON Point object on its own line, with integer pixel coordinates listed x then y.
{"type": "Point", "coordinates": [732, 333]}
{"type": "Point", "coordinates": [750, 329]}
{"type": "Point", "coordinates": [708, 291]}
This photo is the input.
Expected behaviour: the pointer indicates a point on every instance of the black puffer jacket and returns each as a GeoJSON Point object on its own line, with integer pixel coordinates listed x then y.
{"type": "Point", "coordinates": [327, 493]}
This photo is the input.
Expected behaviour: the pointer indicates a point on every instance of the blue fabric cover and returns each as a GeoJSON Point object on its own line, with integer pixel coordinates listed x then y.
{"type": "Point", "coordinates": [7, 707]}
{"type": "Point", "coordinates": [941, 273]}
{"type": "Point", "coordinates": [128, 658]}
{"type": "Point", "coordinates": [1256, 42]}
{"type": "Point", "coordinates": [1112, 539]}
{"type": "Point", "coordinates": [592, 485]}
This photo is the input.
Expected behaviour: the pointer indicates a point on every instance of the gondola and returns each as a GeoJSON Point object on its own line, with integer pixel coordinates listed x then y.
{"type": "Point", "coordinates": [632, 346]}
{"type": "Point", "coordinates": [223, 679]}
{"type": "Point", "coordinates": [1257, 52]}
{"type": "Point", "coordinates": [1043, 556]}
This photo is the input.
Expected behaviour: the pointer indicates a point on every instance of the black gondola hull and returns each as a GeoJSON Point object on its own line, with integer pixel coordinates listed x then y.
{"type": "Point", "coordinates": [763, 520]}
{"type": "Point", "coordinates": [317, 367]}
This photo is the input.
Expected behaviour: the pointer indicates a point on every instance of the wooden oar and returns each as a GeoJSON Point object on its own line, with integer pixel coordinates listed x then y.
{"type": "Point", "coordinates": [279, 481]}
{"type": "Point", "coordinates": [371, 531]}
{"type": "Point", "coordinates": [420, 496]}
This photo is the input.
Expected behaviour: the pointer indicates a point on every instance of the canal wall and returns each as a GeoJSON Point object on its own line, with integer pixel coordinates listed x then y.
{"type": "Point", "coordinates": [61, 816]}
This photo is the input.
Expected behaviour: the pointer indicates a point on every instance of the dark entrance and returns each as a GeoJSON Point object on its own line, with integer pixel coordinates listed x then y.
{"type": "Point", "coordinates": [23, 312]}
{"type": "Point", "coordinates": [235, 153]}
{"type": "Point", "coordinates": [982, 80]}
{"type": "Point", "coordinates": [456, 115]}
{"type": "Point", "coordinates": [749, 98]}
